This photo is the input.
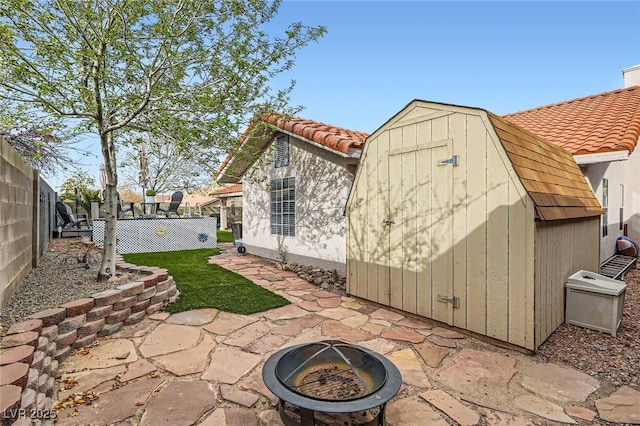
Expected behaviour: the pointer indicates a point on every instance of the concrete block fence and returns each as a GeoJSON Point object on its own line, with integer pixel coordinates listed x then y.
{"type": "Point", "coordinates": [32, 350]}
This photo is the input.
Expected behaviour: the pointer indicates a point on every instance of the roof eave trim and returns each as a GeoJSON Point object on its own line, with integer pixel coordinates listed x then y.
{"type": "Point", "coordinates": [601, 157]}
{"type": "Point", "coordinates": [351, 153]}
{"type": "Point", "coordinates": [229, 195]}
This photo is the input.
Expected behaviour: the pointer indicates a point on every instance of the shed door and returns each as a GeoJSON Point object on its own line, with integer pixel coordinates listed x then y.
{"type": "Point", "coordinates": [420, 231]}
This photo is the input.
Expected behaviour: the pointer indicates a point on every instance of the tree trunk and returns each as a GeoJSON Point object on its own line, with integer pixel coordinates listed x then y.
{"type": "Point", "coordinates": [108, 265]}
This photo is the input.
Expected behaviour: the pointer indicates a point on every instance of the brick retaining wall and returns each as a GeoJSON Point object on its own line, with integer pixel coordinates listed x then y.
{"type": "Point", "coordinates": [32, 349]}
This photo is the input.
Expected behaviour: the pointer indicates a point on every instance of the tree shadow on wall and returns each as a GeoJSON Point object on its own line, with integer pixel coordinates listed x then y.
{"type": "Point", "coordinates": [322, 184]}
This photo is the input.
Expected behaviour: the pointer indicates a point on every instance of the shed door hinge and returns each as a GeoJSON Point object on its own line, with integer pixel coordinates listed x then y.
{"type": "Point", "coordinates": [453, 160]}
{"type": "Point", "coordinates": [455, 301]}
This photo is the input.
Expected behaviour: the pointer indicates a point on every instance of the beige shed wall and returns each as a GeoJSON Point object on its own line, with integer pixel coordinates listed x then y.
{"type": "Point", "coordinates": [464, 231]}
{"type": "Point", "coordinates": [561, 249]}
{"type": "Point", "coordinates": [18, 217]}
{"type": "Point", "coordinates": [322, 187]}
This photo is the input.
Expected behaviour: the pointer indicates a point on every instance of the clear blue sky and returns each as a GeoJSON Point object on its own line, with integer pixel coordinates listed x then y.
{"type": "Point", "coordinates": [503, 56]}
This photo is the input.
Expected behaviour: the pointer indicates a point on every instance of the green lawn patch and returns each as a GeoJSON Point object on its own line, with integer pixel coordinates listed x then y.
{"type": "Point", "coordinates": [204, 285]}
{"type": "Point", "coordinates": [224, 236]}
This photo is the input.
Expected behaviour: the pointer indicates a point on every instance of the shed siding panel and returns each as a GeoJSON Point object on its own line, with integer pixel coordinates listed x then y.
{"type": "Point", "coordinates": [372, 251]}
{"type": "Point", "coordinates": [530, 268]}
{"type": "Point", "coordinates": [441, 232]}
{"type": "Point", "coordinates": [458, 133]}
{"type": "Point", "coordinates": [477, 225]}
{"type": "Point", "coordinates": [424, 159]}
{"type": "Point", "coordinates": [587, 260]}
{"type": "Point", "coordinates": [497, 244]}
{"type": "Point", "coordinates": [414, 115]}
{"type": "Point", "coordinates": [357, 231]}
{"type": "Point", "coordinates": [538, 245]}
{"type": "Point", "coordinates": [352, 241]}
{"type": "Point", "coordinates": [384, 212]}
{"type": "Point", "coordinates": [440, 128]}
{"type": "Point", "coordinates": [518, 282]}
{"type": "Point", "coordinates": [553, 241]}
{"type": "Point", "coordinates": [409, 232]}
{"type": "Point", "coordinates": [395, 215]}
{"type": "Point", "coordinates": [424, 277]}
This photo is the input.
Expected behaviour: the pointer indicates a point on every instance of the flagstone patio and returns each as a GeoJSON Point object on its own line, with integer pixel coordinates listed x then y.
{"type": "Point", "coordinates": [204, 366]}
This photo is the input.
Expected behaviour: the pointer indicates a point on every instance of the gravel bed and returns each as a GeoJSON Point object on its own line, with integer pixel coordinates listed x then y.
{"type": "Point", "coordinates": [614, 361]}
{"type": "Point", "coordinates": [58, 278]}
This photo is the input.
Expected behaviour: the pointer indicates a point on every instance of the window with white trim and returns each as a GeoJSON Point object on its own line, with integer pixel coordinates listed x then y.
{"type": "Point", "coordinates": [281, 154]}
{"type": "Point", "coordinates": [283, 207]}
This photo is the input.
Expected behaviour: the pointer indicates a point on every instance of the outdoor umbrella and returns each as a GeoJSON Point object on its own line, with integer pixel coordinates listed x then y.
{"type": "Point", "coordinates": [143, 174]}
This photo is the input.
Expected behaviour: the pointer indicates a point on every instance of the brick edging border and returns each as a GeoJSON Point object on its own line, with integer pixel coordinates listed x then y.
{"type": "Point", "coordinates": [33, 349]}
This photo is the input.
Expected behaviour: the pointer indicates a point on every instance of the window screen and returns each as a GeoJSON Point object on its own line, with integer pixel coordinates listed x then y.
{"type": "Point", "coordinates": [281, 155]}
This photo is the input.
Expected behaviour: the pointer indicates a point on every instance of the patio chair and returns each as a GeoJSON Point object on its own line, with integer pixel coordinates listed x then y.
{"type": "Point", "coordinates": [66, 218]}
{"type": "Point", "coordinates": [176, 199]}
{"type": "Point", "coordinates": [122, 209]}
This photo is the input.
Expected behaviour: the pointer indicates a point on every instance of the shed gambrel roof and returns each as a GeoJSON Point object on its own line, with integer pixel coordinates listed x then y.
{"type": "Point", "coordinates": [548, 173]}
{"type": "Point", "coordinates": [604, 122]}
{"type": "Point", "coordinates": [257, 137]}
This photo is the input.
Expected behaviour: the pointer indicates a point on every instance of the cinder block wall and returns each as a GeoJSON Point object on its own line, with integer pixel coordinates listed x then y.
{"type": "Point", "coordinates": [16, 219]}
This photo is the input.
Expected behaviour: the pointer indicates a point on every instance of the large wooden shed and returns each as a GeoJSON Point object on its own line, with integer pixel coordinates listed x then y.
{"type": "Point", "coordinates": [463, 217]}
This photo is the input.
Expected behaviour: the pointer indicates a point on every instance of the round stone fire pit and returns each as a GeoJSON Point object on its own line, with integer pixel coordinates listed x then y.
{"type": "Point", "coordinates": [330, 377]}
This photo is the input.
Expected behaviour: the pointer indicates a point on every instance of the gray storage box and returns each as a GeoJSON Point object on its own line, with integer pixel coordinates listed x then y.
{"type": "Point", "coordinates": [594, 301]}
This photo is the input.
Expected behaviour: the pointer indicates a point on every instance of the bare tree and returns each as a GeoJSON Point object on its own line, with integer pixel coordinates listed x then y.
{"type": "Point", "coordinates": [112, 67]}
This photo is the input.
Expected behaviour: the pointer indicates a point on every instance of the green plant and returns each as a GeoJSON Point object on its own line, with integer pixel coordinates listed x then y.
{"type": "Point", "coordinates": [74, 185]}
{"type": "Point", "coordinates": [151, 192]}
{"type": "Point", "coordinates": [205, 285]}
{"type": "Point", "coordinates": [86, 197]}
{"type": "Point", "coordinates": [224, 236]}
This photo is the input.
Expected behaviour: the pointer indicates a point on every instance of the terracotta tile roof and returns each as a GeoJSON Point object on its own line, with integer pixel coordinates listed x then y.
{"type": "Point", "coordinates": [337, 139]}
{"type": "Point", "coordinates": [549, 174]}
{"type": "Point", "coordinates": [231, 189]}
{"type": "Point", "coordinates": [604, 122]}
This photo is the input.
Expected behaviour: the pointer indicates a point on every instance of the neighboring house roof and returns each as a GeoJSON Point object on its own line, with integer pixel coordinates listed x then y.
{"type": "Point", "coordinates": [230, 190]}
{"type": "Point", "coordinates": [193, 198]}
{"type": "Point", "coordinates": [549, 174]}
{"type": "Point", "coordinates": [605, 122]}
{"type": "Point", "coordinates": [255, 140]}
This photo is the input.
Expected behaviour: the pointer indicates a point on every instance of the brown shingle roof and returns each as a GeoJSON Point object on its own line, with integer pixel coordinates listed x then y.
{"type": "Point", "coordinates": [604, 122]}
{"type": "Point", "coordinates": [549, 174]}
{"type": "Point", "coordinates": [334, 138]}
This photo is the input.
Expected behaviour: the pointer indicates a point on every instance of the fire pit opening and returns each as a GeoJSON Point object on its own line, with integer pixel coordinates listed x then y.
{"type": "Point", "coordinates": [331, 377]}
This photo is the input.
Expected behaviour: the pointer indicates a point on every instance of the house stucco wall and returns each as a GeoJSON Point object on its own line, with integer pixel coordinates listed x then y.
{"type": "Point", "coordinates": [322, 183]}
{"type": "Point", "coordinates": [632, 196]}
{"type": "Point", "coordinates": [616, 172]}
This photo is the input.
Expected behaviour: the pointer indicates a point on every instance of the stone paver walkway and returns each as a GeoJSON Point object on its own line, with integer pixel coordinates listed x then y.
{"type": "Point", "coordinates": [204, 367]}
